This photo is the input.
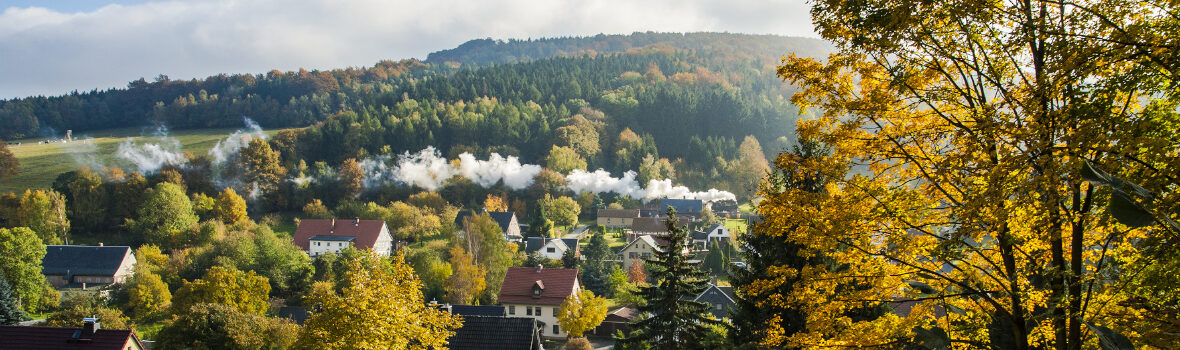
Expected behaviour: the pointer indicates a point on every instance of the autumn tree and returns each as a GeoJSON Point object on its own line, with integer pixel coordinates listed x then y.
{"type": "Point", "coordinates": [637, 274]}
{"type": "Point", "coordinates": [20, 263]}
{"type": "Point", "coordinates": [316, 210]}
{"type": "Point", "coordinates": [675, 319]}
{"type": "Point", "coordinates": [217, 326]}
{"type": "Point", "coordinates": [262, 167]}
{"type": "Point", "coordinates": [581, 312]}
{"type": "Point", "coordinates": [147, 294]}
{"type": "Point", "coordinates": [1009, 155]}
{"type": "Point", "coordinates": [495, 203]}
{"type": "Point", "coordinates": [352, 179]}
{"type": "Point", "coordinates": [230, 207]}
{"type": "Point", "coordinates": [484, 240]}
{"type": "Point", "coordinates": [563, 210]}
{"type": "Point", "coordinates": [384, 296]}
{"type": "Point", "coordinates": [747, 171]}
{"type": "Point", "coordinates": [9, 165]}
{"type": "Point", "coordinates": [467, 278]}
{"type": "Point", "coordinates": [651, 168]}
{"type": "Point", "coordinates": [564, 159]}
{"type": "Point", "coordinates": [243, 291]}
{"type": "Point", "coordinates": [165, 217]}
{"type": "Point", "coordinates": [44, 212]}
{"type": "Point", "coordinates": [78, 305]}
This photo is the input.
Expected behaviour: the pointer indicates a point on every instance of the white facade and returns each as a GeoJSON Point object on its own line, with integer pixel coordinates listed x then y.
{"type": "Point", "coordinates": [546, 315]}
{"type": "Point", "coordinates": [553, 249]}
{"type": "Point", "coordinates": [321, 247]}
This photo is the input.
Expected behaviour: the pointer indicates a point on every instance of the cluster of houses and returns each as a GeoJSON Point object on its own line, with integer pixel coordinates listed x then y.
{"type": "Point", "coordinates": [529, 297]}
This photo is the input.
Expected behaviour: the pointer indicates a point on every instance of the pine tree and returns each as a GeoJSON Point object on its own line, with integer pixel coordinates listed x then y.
{"type": "Point", "coordinates": [10, 312]}
{"type": "Point", "coordinates": [594, 268]}
{"type": "Point", "coordinates": [676, 321]}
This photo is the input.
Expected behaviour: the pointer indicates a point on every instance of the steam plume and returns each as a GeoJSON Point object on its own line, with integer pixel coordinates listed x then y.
{"type": "Point", "coordinates": [228, 148]}
{"type": "Point", "coordinates": [150, 157]}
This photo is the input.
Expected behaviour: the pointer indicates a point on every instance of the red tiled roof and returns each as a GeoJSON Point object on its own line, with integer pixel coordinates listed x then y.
{"type": "Point", "coordinates": [519, 282]}
{"type": "Point", "coordinates": [365, 231]}
{"type": "Point", "coordinates": [53, 338]}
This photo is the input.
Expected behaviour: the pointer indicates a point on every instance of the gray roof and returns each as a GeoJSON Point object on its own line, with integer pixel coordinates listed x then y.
{"type": "Point", "coordinates": [686, 206]}
{"type": "Point", "coordinates": [69, 260]}
{"type": "Point", "coordinates": [478, 310]}
{"type": "Point", "coordinates": [295, 313]}
{"type": "Point", "coordinates": [535, 243]}
{"type": "Point", "coordinates": [496, 332]}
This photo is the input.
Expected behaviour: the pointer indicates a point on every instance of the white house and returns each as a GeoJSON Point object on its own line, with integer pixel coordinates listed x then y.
{"type": "Point", "coordinates": [550, 248]}
{"type": "Point", "coordinates": [716, 233]}
{"type": "Point", "coordinates": [321, 236]}
{"type": "Point", "coordinates": [537, 292]}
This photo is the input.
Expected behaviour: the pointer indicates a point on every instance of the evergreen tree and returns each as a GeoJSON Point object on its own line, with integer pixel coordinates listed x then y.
{"type": "Point", "coordinates": [540, 226]}
{"type": "Point", "coordinates": [10, 312]}
{"type": "Point", "coordinates": [569, 259]}
{"type": "Point", "coordinates": [594, 269]}
{"type": "Point", "coordinates": [675, 320]}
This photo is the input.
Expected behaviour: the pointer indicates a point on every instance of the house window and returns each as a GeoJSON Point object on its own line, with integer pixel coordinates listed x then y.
{"type": "Point", "coordinates": [718, 307]}
{"type": "Point", "coordinates": [554, 312]}
{"type": "Point", "coordinates": [528, 311]}
{"type": "Point", "coordinates": [556, 330]}
{"type": "Point", "coordinates": [646, 255]}
{"type": "Point", "coordinates": [537, 311]}
{"type": "Point", "coordinates": [511, 309]}
{"type": "Point", "coordinates": [633, 255]}
{"type": "Point", "coordinates": [551, 250]}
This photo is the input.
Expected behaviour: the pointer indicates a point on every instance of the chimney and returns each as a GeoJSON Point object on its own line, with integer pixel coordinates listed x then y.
{"type": "Point", "coordinates": [99, 244]}
{"type": "Point", "coordinates": [540, 267]}
{"type": "Point", "coordinates": [332, 228]}
{"type": "Point", "coordinates": [90, 325]}
{"type": "Point", "coordinates": [356, 222]}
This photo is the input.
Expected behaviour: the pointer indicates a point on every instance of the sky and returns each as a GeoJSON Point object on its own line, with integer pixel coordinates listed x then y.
{"type": "Point", "coordinates": [54, 47]}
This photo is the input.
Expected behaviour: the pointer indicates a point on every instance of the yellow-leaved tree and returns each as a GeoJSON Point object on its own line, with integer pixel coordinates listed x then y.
{"type": "Point", "coordinates": [1012, 174]}
{"type": "Point", "coordinates": [581, 312]}
{"type": "Point", "coordinates": [379, 306]}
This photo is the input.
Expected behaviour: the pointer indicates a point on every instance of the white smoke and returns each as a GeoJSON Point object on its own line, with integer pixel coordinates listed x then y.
{"type": "Point", "coordinates": [488, 172]}
{"type": "Point", "coordinates": [228, 148]}
{"type": "Point", "coordinates": [83, 151]}
{"type": "Point", "coordinates": [427, 169]}
{"type": "Point", "coordinates": [601, 181]}
{"type": "Point", "coordinates": [148, 158]}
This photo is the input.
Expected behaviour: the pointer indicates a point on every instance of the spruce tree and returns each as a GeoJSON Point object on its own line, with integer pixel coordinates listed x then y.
{"type": "Point", "coordinates": [594, 269]}
{"type": "Point", "coordinates": [674, 320]}
{"type": "Point", "coordinates": [10, 312]}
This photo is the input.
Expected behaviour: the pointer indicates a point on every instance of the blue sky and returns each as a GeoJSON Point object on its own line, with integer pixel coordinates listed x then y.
{"type": "Point", "coordinates": [54, 47]}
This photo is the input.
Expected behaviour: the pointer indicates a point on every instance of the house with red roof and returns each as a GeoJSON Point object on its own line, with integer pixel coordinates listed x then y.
{"type": "Point", "coordinates": [90, 337]}
{"type": "Point", "coordinates": [322, 236]}
{"type": "Point", "coordinates": [537, 293]}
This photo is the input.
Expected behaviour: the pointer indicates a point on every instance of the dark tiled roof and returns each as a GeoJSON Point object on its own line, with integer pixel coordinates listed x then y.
{"type": "Point", "coordinates": [494, 332]}
{"type": "Point", "coordinates": [570, 243]}
{"type": "Point", "coordinates": [365, 231]}
{"type": "Point", "coordinates": [54, 338]}
{"type": "Point", "coordinates": [294, 313]}
{"type": "Point", "coordinates": [648, 225]}
{"type": "Point", "coordinates": [462, 214]}
{"type": "Point", "coordinates": [478, 310]}
{"type": "Point", "coordinates": [535, 243]}
{"type": "Point", "coordinates": [83, 260]}
{"type": "Point", "coordinates": [623, 314]}
{"type": "Point", "coordinates": [700, 235]}
{"type": "Point", "coordinates": [618, 213]}
{"type": "Point", "coordinates": [504, 219]}
{"type": "Point", "coordinates": [685, 206]}
{"type": "Point", "coordinates": [332, 238]}
{"type": "Point", "coordinates": [519, 281]}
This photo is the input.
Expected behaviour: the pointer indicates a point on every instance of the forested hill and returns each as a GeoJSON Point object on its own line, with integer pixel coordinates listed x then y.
{"type": "Point", "coordinates": [742, 46]}
{"type": "Point", "coordinates": [688, 98]}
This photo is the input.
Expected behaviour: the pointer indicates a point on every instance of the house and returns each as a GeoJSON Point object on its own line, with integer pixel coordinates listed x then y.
{"type": "Point", "coordinates": [642, 247]}
{"type": "Point", "coordinates": [322, 236]}
{"type": "Point", "coordinates": [701, 240]}
{"type": "Point", "coordinates": [76, 266]}
{"type": "Point", "coordinates": [720, 299]}
{"type": "Point", "coordinates": [90, 337]}
{"type": "Point", "coordinates": [496, 332]}
{"type": "Point", "coordinates": [616, 218]}
{"type": "Point", "coordinates": [537, 292]}
{"type": "Point", "coordinates": [551, 248]}
{"type": "Point", "coordinates": [507, 221]}
{"type": "Point", "coordinates": [690, 207]}
{"type": "Point", "coordinates": [617, 320]}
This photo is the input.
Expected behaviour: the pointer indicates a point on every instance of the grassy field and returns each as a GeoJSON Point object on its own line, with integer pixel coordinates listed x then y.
{"type": "Point", "coordinates": [41, 163]}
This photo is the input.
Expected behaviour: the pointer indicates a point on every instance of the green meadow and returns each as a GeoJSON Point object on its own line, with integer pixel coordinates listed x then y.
{"type": "Point", "coordinates": [41, 163]}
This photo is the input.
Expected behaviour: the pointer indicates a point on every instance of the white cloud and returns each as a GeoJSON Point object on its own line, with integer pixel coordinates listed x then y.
{"type": "Point", "coordinates": [50, 52]}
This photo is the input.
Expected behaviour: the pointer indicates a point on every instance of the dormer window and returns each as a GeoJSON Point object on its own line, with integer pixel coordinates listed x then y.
{"type": "Point", "coordinates": [538, 287]}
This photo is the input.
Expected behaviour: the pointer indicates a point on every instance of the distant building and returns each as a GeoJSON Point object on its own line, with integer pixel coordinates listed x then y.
{"type": "Point", "coordinates": [537, 292]}
{"type": "Point", "coordinates": [720, 299]}
{"type": "Point", "coordinates": [551, 248]}
{"type": "Point", "coordinates": [643, 247]}
{"type": "Point", "coordinates": [76, 266]}
{"type": "Point", "coordinates": [690, 207]}
{"type": "Point", "coordinates": [322, 236]}
{"type": "Point", "coordinates": [701, 240]}
{"type": "Point", "coordinates": [617, 320]}
{"type": "Point", "coordinates": [89, 337]}
{"type": "Point", "coordinates": [616, 218]}
{"type": "Point", "coordinates": [509, 224]}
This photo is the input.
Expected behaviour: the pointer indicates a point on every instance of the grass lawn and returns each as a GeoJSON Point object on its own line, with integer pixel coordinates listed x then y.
{"type": "Point", "coordinates": [40, 164]}
{"type": "Point", "coordinates": [736, 226]}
